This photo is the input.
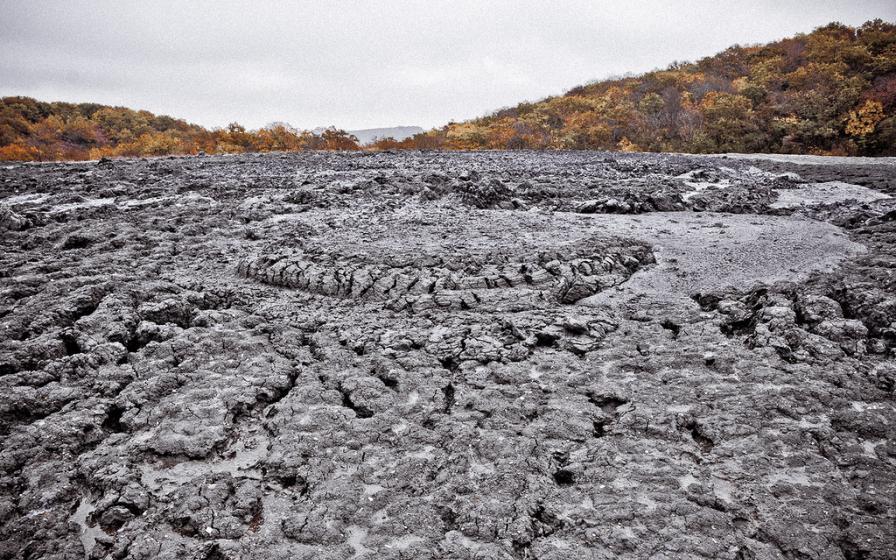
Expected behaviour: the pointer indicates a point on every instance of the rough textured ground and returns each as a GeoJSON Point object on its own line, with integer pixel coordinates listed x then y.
{"type": "Point", "coordinates": [495, 355]}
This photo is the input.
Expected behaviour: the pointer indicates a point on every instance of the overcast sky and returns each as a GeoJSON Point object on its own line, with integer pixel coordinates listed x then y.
{"type": "Point", "coordinates": [368, 64]}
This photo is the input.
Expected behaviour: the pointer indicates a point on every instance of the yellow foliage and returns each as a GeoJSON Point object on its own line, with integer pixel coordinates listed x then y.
{"type": "Point", "coordinates": [817, 74]}
{"type": "Point", "coordinates": [719, 105]}
{"type": "Point", "coordinates": [18, 152]}
{"type": "Point", "coordinates": [626, 145]}
{"type": "Point", "coordinates": [766, 71]}
{"type": "Point", "coordinates": [570, 105]}
{"type": "Point", "coordinates": [862, 121]}
{"type": "Point", "coordinates": [465, 136]}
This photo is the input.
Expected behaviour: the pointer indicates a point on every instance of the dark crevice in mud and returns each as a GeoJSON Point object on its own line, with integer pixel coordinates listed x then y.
{"type": "Point", "coordinates": [77, 242]}
{"type": "Point", "coordinates": [521, 549]}
{"type": "Point", "coordinates": [23, 414]}
{"type": "Point", "coordinates": [546, 339]}
{"type": "Point", "coordinates": [70, 342]}
{"type": "Point", "coordinates": [738, 325]}
{"type": "Point", "coordinates": [564, 477]}
{"type": "Point", "coordinates": [85, 309]}
{"type": "Point", "coordinates": [739, 328]}
{"type": "Point", "coordinates": [294, 483]}
{"type": "Point", "coordinates": [257, 517]}
{"type": "Point", "coordinates": [672, 327]}
{"type": "Point", "coordinates": [135, 343]}
{"type": "Point", "coordinates": [851, 551]}
{"type": "Point", "coordinates": [388, 381]}
{"type": "Point", "coordinates": [449, 398]}
{"type": "Point", "coordinates": [277, 394]}
{"type": "Point", "coordinates": [607, 403]}
{"type": "Point", "coordinates": [448, 517]}
{"type": "Point", "coordinates": [360, 411]}
{"type": "Point", "coordinates": [449, 363]}
{"type": "Point", "coordinates": [599, 428]}
{"type": "Point", "coordinates": [841, 296]}
{"type": "Point", "coordinates": [112, 422]}
{"type": "Point", "coordinates": [705, 443]}
{"type": "Point", "coordinates": [181, 526]}
{"type": "Point", "coordinates": [545, 523]}
{"type": "Point", "coordinates": [214, 552]}
{"type": "Point", "coordinates": [693, 428]}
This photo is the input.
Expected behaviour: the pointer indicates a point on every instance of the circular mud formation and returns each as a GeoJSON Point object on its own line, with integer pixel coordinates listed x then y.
{"type": "Point", "coordinates": [428, 260]}
{"type": "Point", "coordinates": [492, 355]}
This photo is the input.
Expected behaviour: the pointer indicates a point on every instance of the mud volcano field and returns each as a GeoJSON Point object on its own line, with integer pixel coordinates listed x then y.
{"type": "Point", "coordinates": [493, 355]}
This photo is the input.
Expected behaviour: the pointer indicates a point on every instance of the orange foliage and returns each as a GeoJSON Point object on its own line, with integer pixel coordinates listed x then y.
{"type": "Point", "coordinates": [18, 152]}
{"type": "Point", "coordinates": [34, 130]}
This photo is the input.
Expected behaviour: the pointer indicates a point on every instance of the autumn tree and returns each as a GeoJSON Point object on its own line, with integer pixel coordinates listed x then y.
{"type": "Point", "coordinates": [336, 139]}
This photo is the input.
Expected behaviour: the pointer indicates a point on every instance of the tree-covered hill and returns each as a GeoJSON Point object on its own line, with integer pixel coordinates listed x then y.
{"type": "Point", "coordinates": [832, 91]}
{"type": "Point", "coordinates": [37, 130]}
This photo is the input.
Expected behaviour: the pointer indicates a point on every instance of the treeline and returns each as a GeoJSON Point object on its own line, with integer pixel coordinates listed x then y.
{"type": "Point", "coordinates": [32, 130]}
{"type": "Point", "coordinates": [832, 91]}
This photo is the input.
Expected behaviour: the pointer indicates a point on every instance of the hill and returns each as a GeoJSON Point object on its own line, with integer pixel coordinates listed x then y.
{"type": "Point", "coordinates": [832, 91]}
{"type": "Point", "coordinates": [32, 130]}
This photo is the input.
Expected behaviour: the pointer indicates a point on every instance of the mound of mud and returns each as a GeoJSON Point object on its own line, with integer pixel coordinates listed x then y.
{"type": "Point", "coordinates": [514, 266]}
{"type": "Point", "coordinates": [426, 355]}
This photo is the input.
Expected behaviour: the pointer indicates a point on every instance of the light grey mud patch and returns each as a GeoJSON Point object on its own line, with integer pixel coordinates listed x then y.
{"type": "Point", "coordinates": [805, 159]}
{"type": "Point", "coordinates": [710, 251]}
{"type": "Point", "coordinates": [356, 537]}
{"type": "Point", "coordinates": [403, 542]}
{"type": "Point", "coordinates": [87, 533]}
{"type": "Point", "coordinates": [178, 200]}
{"type": "Point", "coordinates": [91, 203]}
{"type": "Point", "coordinates": [690, 180]}
{"type": "Point", "coordinates": [700, 186]}
{"type": "Point", "coordinates": [832, 192]}
{"type": "Point", "coordinates": [246, 455]}
{"type": "Point", "coordinates": [22, 199]}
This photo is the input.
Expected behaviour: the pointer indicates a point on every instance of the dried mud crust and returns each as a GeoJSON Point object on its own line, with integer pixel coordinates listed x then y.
{"type": "Point", "coordinates": [446, 356]}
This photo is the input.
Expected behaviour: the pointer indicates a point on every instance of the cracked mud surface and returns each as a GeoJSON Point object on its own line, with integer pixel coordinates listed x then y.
{"type": "Point", "coordinates": [493, 355]}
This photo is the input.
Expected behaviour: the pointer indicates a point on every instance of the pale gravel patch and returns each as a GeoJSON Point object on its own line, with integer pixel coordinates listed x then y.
{"type": "Point", "coordinates": [832, 192]}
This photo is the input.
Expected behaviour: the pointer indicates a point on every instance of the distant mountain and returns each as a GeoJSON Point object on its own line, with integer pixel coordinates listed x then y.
{"type": "Point", "coordinates": [369, 135]}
